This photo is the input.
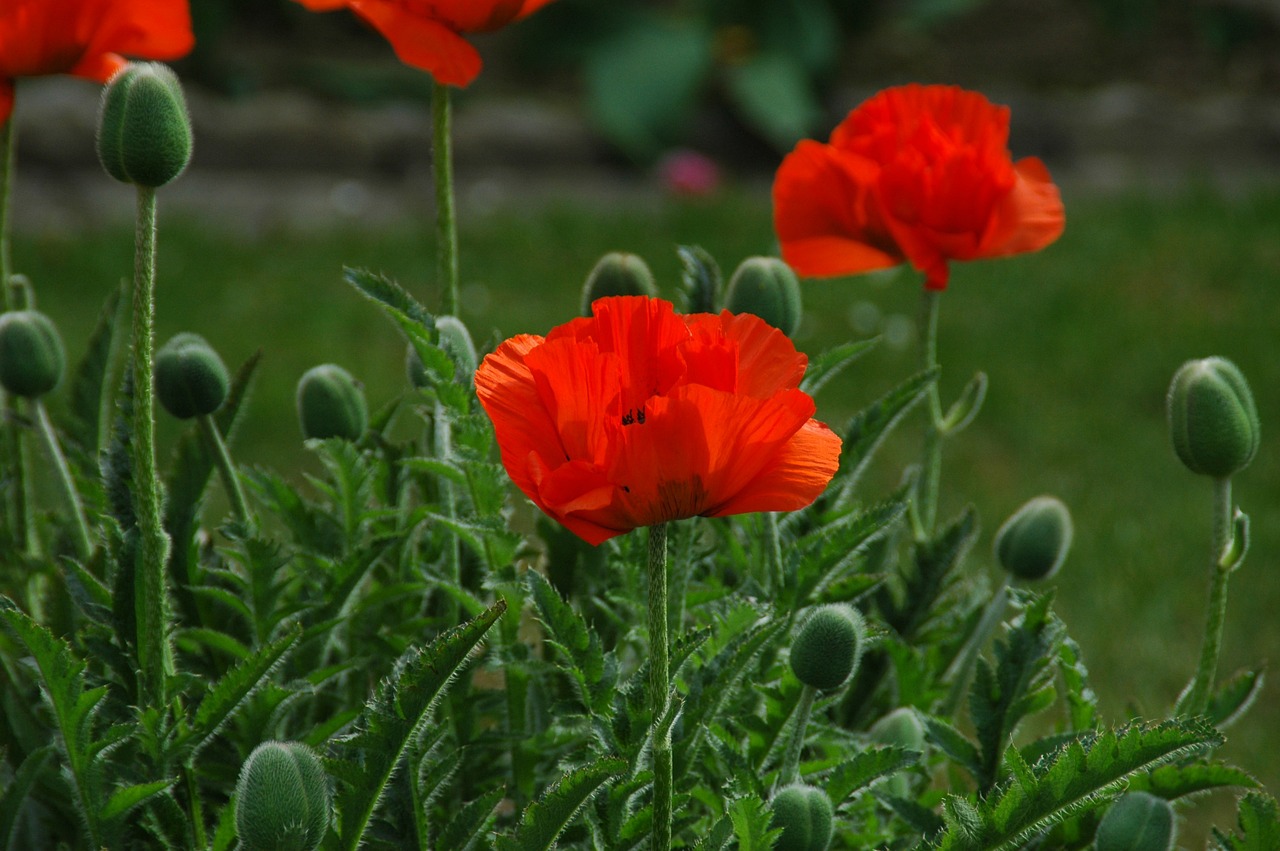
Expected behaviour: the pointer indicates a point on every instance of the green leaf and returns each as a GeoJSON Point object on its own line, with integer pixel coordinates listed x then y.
{"type": "Point", "coordinates": [576, 642]}
{"type": "Point", "coordinates": [386, 292]}
{"type": "Point", "coordinates": [125, 798]}
{"type": "Point", "coordinates": [867, 429]}
{"type": "Point", "coordinates": [854, 775]}
{"type": "Point", "coordinates": [832, 362]}
{"type": "Point", "coordinates": [964, 409]}
{"type": "Point", "coordinates": [1081, 699]}
{"type": "Point", "coordinates": [1177, 781]}
{"type": "Point", "coordinates": [775, 96]}
{"type": "Point", "coordinates": [393, 717]}
{"type": "Point", "coordinates": [751, 818]}
{"type": "Point", "coordinates": [1234, 698]}
{"type": "Point", "coordinates": [1259, 822]}
{"type": "Point", "coordinates": [700, 280]}
{"type": "Point", "coordinates": [1080, 775]}
{"type": "Point", "coordinates": [643, 81]}
{"type": "Point", "coordinates": [952, 742]}
{"type": "Point", "coordinates": [90, 404]}
{"type": "Point", "coordinates": [546, 818]}
{"type": "Point", "coordinates": [935, 567]}
{"type": "Point", "coordinates": [15, 793]}
{"type": "Point", "coordinates": [716, 839]}
{"type": "Point", "coordinates": [471, 821]}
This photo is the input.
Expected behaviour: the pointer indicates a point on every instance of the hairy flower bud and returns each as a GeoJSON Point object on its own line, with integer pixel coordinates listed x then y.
{"type": "Point", "coordinates": [456, 341]}
{"type": "Point", "coordinates": [282, 799]}
{"type": "Point", "coordinates": [191, 380]}
{"type": "Point", "coordinates": [617, 273]}
{"type": "Point", "coordinates": [1212, 417]}
{"type": "Point", "coordinates": [767, 287]}
{"type": "Point", "coordinates": [331, 404]}
{"type": "Point", "coordinates": [32, 359]}
{"type": "Point", "coordinates": [901, 728]}
{"type": "Point", "coordinates": [1137, 822]}
{"type": "Point", "coordinates": [1033, 543]}
{"type": "Point", "coordinates": [827, 647]}
{"type": "Point", "coordinates": [804, 813]}
{"type": "Point", "coordinates": [144, 132]}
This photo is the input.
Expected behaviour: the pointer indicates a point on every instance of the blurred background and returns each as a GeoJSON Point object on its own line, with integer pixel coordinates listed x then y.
{"type": "Point", "coordinates": [639, 125]}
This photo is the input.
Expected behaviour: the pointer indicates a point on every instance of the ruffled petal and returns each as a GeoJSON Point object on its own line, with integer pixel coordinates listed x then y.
{"type": "Point", "coordinates": [646, 335]}
{"type": "Point", "coordinates": [577, 385]}
{"type": "Point", "coordinates": [825, 216]}
{"type": "Point", "coordinates": [797, 475]}
{"type": "Point", "coordinates": [767, 359]}
{"type": "Point", "coordinates": [1030, 217]}
{"type": "Point", "coordinates": [145, 29]}
{"type": "Point", "coordinates": [421, 42]}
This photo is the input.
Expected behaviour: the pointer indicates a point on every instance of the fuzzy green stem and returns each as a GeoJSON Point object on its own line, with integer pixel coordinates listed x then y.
{"type": "Point", "coordinates": [15, 455]}
{"type": "Point", "coordinates": [790, 771]}
{"type": "Point", "coordinates": [1197, 700]}
{"type": "Point", "coordinates": [154, 658]}
{"type": "Point", "coordinates": [226, 470]}
{"type": "Point", "coordinates": [196, 808]}
{"type": "Point", "coordinates": [659, 686]}
{"type": "Point", "coordinates": [961, 668]}
{"type": "Point", "coordinates": [931, 465]}
{"type": "Point", "coordinates": [79, 527]}
{"type": "Point", "coordinates": [446, 223]}
{"type": "Point", "coordinates": [773, 551]}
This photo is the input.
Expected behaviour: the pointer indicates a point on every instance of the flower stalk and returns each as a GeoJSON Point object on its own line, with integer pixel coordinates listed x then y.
{"type": "Point", "coordinates": [226, 470]}
{"type": "Point", "coordinates": [790, 771]}
{"type": "Point", "coordinates": [446, 222]}
{"type": "Point", "coordinates": [660, 686]}
{"type": "Point", "coordinates": [79, 527]}
{"type": "Point", "coordinates": [1197, 698]}
{"type": "Point", "coordinates": [931, 469]}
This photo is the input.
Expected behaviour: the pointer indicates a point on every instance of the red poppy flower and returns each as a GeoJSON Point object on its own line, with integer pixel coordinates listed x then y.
{"type": "Point", "coordinates": [637, 415]}
{"type": "Point", "coordinates": [86, 38]}
{"type": "Point", "coordinates": [916, 173]}
{"type": "Point", "coordinates": [427, 34]}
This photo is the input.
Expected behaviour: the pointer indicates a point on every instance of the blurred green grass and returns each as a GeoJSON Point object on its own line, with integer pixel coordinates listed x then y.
{"type": "Point", "coordinates": [1079, 341]}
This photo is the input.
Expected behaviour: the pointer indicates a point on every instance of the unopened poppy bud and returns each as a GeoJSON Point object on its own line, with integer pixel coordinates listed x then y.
{"type": "Point", "coordinates": [767, 287]}
{"type": "Point", "coordinates": [827, 647]}
{"type": "Point", "coordinates": [1212, 417]}
{"type": "Point", "coordinates": [617, 273]}
{"type": "Point", "coordinates": [331, 404]}
{"type": "Point", "coordinates": [1137, 822]}
{"type": "Point", "coordinates": [901, 728]}
{"type": "Point", "coordinates": [191, 380]}
{"type": "Point", "coordinates": [456, 341]}
{"type": "Point", "coordinates": [31, 355]}
{"type": "Point", "coordinates": [1033, 543]}
{"type": "Point", "coordinates": [144, 132]}
{"type": "Point", "coordinates": [804, 813]}
{"type": "Point", "coordinates": [282, 799]}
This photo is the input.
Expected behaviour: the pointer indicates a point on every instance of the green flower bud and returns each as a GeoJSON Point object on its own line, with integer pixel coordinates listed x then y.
{"type": "Point", "coordinates": [617, 274]}
{"type": "Point", "coordinates": [827, 647]}
{"type": "Point", "coordinates": [902, 728]}
{"type": "Point", "coordinates": [144, 132]}
{"type": "Point", "coordinates": [1212, 417]}
{"type": "Point", "coordinates": [805, 816]}
{"type": "Point", "coordinates": [1137, 822]}
{"type": "Point", "coordinates": [455, 339]}
{"type": "Point", "coordinates": [31, 356]}
{"type": "Point", "coordinates": [767, 287]}
{"type": "Point", "coordinates": [191, 380]}
{"type": "Point", "coordinates": [331, 404]}
{"type": "Point", "coordinates": [1033, 542]}
{"type": "Point", "coordinates": [282, 799]}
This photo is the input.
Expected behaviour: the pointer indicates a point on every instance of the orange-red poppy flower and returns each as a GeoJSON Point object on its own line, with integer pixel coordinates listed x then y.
{"type": "Point", "coordinates": [427, 34]}
{"type": "Point", "coordinates": [917, 173]}
{"type": "Point", "coordinates": [87, 38]}
{"type": "Point", "coordinates": [637, 415]}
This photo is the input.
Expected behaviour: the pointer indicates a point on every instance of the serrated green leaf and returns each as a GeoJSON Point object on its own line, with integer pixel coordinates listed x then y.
{"type": "Point", "coordinates": [1177, 781]}
{"type": "Point", "coordinates": [952, 742]}
{"type": "Point", "coordinates": [15, 793]}
{"type": "Point", "coordinates": [854, 775]}
{"type": "Point", "coordinates": [546, 818]}
{"type": "Point", "coordinates": [1234, 698]}
{"type": "Point", "coordinates": [393, 717]}
{"type": "Point", "coordinates": [868, 428]}
{"type": "Point", "coordinates": [90, 408]}
{"type": "Point", "coordinates": [716, 839]}
{"type": "Point", "coordinates": [1259, 821]}
{"type": "Point", "coordinates": [1082, 701]}
{"type": "Point", "coordinates": [832, 362]}
{"type": "Point", "coordinates": [389, 294]}
{"type": "Point", "coordinates": [576, 641]}
{"type": "Point", "coordinates": [751, 819]}
{"type": "Point", "coordinates": [124, 798]}
{"type": "Point", "coordinates": [470, 822]}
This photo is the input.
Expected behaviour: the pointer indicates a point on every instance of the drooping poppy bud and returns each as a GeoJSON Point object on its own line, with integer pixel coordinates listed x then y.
{"type": "Point", "coordinates": [191, 380]}
{"type": "Point", "coordinates": [331, 404]}
{"type": "Point", "coordinates": [1212, 417]}
{"type": "Point", "coordinates": [827, 647]}
{"type": "Point", "coordinates": [804, 813]}
{"type": "Point", "coordinates": [617, 273]}
{"type": "Point", "coordinates": [1137, 821]}
{"type": "Point", "coordinates": [32, 359]}
{"type": "Point", "coordinates": [282, 799]}
{"type": "Point", "coordinates": [767, 287]}
{"type": "Point", "coordinates": [144, 132]}
{"type": "Point", "coordinates": [1033, 543]}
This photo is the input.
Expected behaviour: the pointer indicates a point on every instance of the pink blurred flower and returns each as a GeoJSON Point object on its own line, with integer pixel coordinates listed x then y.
{"type": "Point", "coordinates": [687, 172]}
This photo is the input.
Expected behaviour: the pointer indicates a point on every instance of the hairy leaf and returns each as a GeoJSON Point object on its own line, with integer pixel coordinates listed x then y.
{"type": "Point", "coordinates": [1176, 781]}
{"type": "Point", "coordinates": [751, 819]}
{"type": "Point", "coordinates": [470, 822]}
{"type": "Point", "coordinates": [576, 641]}
{"type": "Point", "coordinates": [832, 362]}
{"type": "Point", "coordinates": [546, 818]}
{"type": "Point", "coordinates": [854, 775]}
{"type": "Point", "coordinates": [868, 428]}
{"type": "Point", "coordinates": [1259, 821]}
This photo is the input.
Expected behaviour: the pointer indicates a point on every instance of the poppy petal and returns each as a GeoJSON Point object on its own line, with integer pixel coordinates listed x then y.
{"type": "Point", "coordinates": [421, 42]}
{"type": "Point", "coordinates": [6, 101]}
{"type": "Point", "coordinates": [1031, 215]}
{"type": "Point", "coordinates": [576, 384]}
{"type": "Point", "coordinates": [796, 476]}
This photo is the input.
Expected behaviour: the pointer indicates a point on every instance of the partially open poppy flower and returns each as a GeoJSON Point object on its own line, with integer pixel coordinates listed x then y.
{"type": "Point", "coordinates": [428, 34]}
{"type": "Point", "coordinates": [86, 38]}
{"type": "Point", "coordinates": [637, 415]}
{"type": "Point", "coordinates": [917, 173]}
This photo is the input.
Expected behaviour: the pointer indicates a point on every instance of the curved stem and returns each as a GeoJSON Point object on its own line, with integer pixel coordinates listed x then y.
{"type": "Point", "coordinates": [659, 686]}
{"type": "Point", "coordinates": [79, 527]}
{"type": "Point", "coordinates": [790, 772]}
{"type": "Point", "coordinates": [153, 655]}
{"type": "Point", "coordinates": [931, 465]}
{"type": "Point", "coordinates": [961, 668]}
{"type": "Point", "coordinates": [446, 224]}
{"type": "Point", "coordinates": [226, 470]}
{"type": "Point", "coordinates": [1197, 700]}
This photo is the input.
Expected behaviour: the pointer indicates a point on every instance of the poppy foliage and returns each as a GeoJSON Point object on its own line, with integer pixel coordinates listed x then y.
{"type": "Point", "coordinates": [86, 38]}
{"type": "Point", "coordinates": [428, 34]}
{"type": "Point", "coordinates": [638, 415]}
{"type": "Point", "coordinates": [917, 173]}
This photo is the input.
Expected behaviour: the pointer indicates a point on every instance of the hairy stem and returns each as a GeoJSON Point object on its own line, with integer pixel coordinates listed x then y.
{"type": "Point", "coordinates": [1197, 701]}
{"type": "Point", "coordinates": [659, 686]}
{"type": "Point", "coordinates": [931, 463]}
{"type": "Point", "coordinates": [790, 772]}
{"type": "Point", "coordinates": [226, 470]}
{"type": "Point", "coordinates": [446, 223]}
{"type": "Point", "coordinates": [79, 527]}
{"type": "Point", "coordinates": [961, 668]}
